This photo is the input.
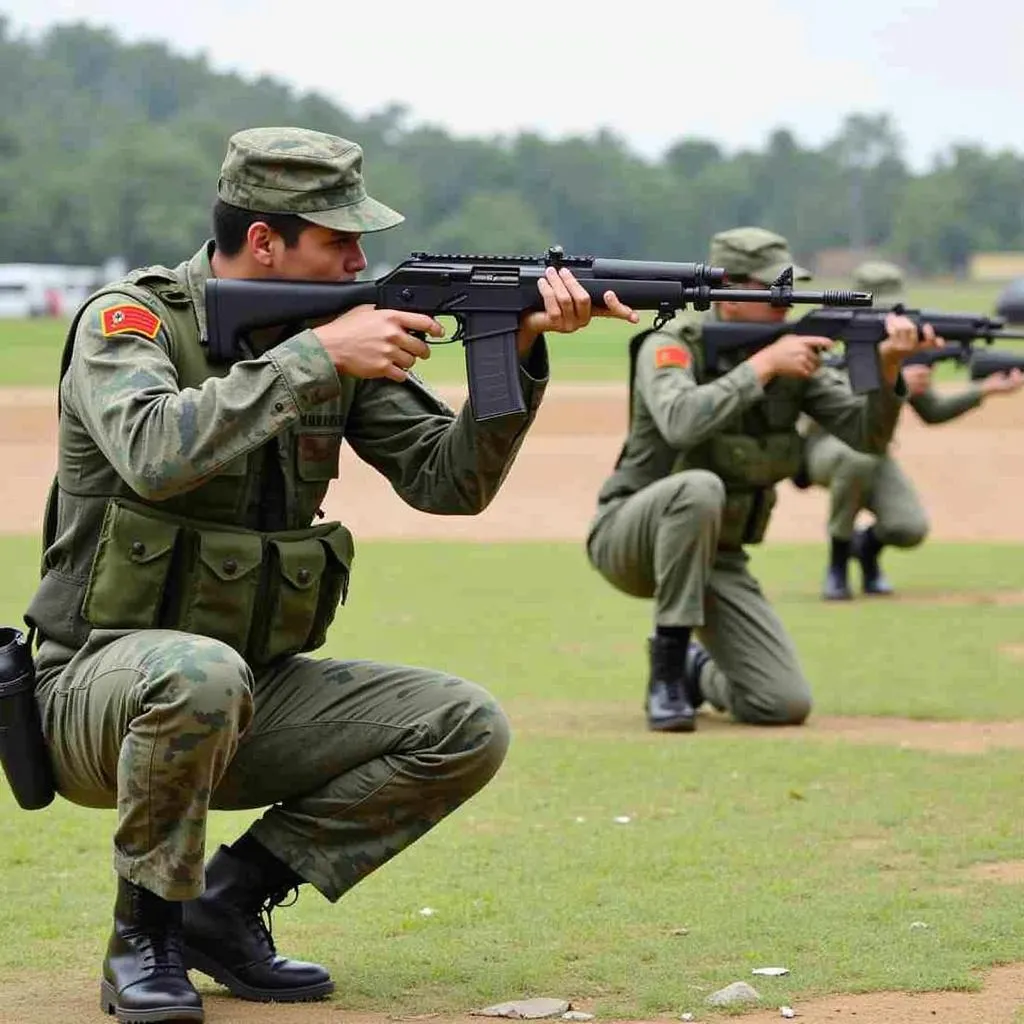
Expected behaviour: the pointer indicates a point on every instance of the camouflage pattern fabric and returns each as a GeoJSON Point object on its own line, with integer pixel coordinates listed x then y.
{"type": "Point", "coordinates": [358, 759]}
{"type": "Point", "coordinates": [294, 170]}
{"type": "Point", "coordinates": [256, 446]}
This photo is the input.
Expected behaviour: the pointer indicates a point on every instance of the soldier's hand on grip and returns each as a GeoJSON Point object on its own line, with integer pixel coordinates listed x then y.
{"type": "Point", "coordinates": [793, 355]}
{"type": "Point", "coordinates": [369, 342]}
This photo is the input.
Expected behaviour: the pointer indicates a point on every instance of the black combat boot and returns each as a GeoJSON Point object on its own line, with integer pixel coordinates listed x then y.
{"type": "Point", "coordinates": [837, 583]}
{"type": "Point", "coordinates": [226, 937]}
{"type": "Point", "coordinates": [144, 977]}
{"type": "Point", "coordinates": [668, 705]}
{"type": "Point", "coordinates": [866, 549]}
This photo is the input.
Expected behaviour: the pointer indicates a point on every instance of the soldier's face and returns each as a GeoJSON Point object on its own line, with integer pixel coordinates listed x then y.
{"type": "Point", "coordinates": [752, 312]}
{"type": "Point", "coordinates": [320, 255]}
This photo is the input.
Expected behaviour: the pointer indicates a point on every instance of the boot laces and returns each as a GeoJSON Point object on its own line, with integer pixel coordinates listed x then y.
{"type": "Point", "coordinates": [160, 941]}
{"type": "Point", "coordinates": [262, 923]}
{"type": "Point", "coordinates": [161, 953]}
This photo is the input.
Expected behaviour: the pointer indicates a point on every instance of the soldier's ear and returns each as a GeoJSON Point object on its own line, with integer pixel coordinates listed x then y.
{"type": "Point", "coordinates": [259, 239]}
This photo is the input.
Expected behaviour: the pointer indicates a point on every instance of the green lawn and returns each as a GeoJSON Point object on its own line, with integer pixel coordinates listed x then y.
{"type": "Point", "coordinates": [815, 855]}
{"type": "Point", "coordinates": [30, 349]}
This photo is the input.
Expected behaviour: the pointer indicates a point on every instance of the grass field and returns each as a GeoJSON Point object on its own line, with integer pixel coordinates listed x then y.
{"type": "Point", "coordinates": [30, 349]}
{"type": "Point", "coordinates": [814, 854]}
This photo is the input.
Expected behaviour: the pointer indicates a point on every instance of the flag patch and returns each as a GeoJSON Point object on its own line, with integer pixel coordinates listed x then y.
{"type": "Point", "coordinates": [671, 355]}
{"type": "Point", "coordinates": [129, 320]}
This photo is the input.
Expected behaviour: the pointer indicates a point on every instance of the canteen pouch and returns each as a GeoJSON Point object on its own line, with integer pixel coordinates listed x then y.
{"type": "Point", "coordinates": [23, 753]}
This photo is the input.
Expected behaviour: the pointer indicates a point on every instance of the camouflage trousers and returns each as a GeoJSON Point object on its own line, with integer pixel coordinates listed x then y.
{"type": "Point", "coordinates": [355, 759]}
{"type": "Point", "coordinates": [662, 543]}
{"type": "Point", "coordinates": [874, 482]}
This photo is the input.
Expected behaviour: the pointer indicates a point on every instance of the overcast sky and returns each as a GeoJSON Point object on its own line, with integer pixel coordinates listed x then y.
{"type": "Point", "coordinates": [651, 70]}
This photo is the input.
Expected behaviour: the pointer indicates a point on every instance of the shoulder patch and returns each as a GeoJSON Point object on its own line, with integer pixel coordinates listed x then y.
{"type": "Point", "coordinates": [671, 355]}
{"type": "Point", "coordinates": [129, 319]}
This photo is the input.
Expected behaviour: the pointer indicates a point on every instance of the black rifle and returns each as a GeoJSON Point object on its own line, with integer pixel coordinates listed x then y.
{"type": "Point", "coordinates": [861, 331]}
{"type": "Point", "coordinates": [988, 361]}
{"type": "Point", "coordinates": [486, 295]}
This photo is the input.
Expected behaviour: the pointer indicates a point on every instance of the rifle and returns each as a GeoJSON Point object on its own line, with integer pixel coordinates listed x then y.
{"type": "Point", "coordinates": [486, 295]}
{"type": "Point", "coordinates": [861, 331]}
{"type": "Point", "coordinates": [989, 361]}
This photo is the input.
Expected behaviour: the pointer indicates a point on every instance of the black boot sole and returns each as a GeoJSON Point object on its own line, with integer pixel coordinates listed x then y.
{"type": "Point", "coordinates": [194, 960]}
{"type": "Point", "coordinates": [108, 1003]}
{"type": "Point", "coordinates": [673, 725]}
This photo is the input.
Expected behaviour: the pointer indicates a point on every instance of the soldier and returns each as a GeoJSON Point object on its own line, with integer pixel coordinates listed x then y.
{"type": "Point", "coordinates": [694, 484]}
{"type": "Point", "coordinates": [183, 582]}
{"type": "Point", "coordinates": [857, 480]}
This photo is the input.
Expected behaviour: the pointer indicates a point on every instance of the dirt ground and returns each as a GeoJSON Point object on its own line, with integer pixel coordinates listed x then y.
{"type": "Point", "coordinates": [967, 473]}
{"type": "Point", "coordinates": [969, 476]}
{"type": "Point", "coordinates": [34, 1000]}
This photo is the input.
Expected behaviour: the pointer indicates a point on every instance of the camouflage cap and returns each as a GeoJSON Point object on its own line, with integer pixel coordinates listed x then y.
{"type": "Point", "coordinates": [295, 170]}
{"type": "Point", "coordinates": [754, 252]}
{"type": "Point", "coordinates": [882, 278]}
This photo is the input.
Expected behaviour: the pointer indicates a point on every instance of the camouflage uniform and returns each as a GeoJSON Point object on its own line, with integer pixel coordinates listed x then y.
{"type": "Point", "coordinates": [857, 480]}
{"type": "Point", "coordinates": [184, 583]}
{"type": "Point", "coordinates": [694, 484]}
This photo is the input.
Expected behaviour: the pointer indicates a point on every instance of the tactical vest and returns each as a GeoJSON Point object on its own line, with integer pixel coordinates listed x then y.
{"type": "Point", "coordinates": [754, 451]}
{"type": "Point", "coordinates": [191, 562]}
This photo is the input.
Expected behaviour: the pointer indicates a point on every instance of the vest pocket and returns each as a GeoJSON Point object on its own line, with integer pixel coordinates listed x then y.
{"type": "Point", "coordinates": [128, 580]}
{"type": "Point", "coordinates": [294, 572]}
{"type": "Point", "coordinates": [339, 551]}
{"type": "Point", "coordinates": [306, 580]}
{"type": "Point", "coordinates": [745, 517]}
{"type": "Point", "coordinates": [219, 593]}
{"type": "Point", "coordinates": [746, 461]}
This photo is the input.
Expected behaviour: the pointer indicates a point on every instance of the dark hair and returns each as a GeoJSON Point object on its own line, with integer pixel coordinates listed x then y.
{"type": "Point", "coordinates": [230, 224]}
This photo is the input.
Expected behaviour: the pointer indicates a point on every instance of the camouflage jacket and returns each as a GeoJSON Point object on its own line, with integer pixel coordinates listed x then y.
{"type": "Point", "coordinates": [148, 427]}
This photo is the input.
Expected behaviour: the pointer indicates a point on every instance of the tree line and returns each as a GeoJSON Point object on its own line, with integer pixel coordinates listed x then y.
{"type": "Point", "coordinates": [109, 148]}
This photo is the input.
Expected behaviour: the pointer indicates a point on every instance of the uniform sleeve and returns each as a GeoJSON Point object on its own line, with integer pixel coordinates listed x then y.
{"type": "Point", "coordinates": [687, 413]}
{"type": "Point", "coordinates": [864, 422]}
{"type": "Point", "coordinates": [163, 440]}
{"type": "Point", "coordinates": [934, 407]}
{"type": "Point", "coordinates": [436, 460]}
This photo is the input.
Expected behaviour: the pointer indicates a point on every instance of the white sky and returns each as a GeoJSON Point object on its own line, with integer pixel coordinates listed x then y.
{"type": "Point", "coordinates": [651, 70]}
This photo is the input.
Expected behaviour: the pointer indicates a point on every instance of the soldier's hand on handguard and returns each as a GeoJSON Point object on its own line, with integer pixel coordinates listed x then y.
{"type": "Point", "coordinates": [567, 308]}
{"type": "Point", "coordinates": [369, 342]}
{"type": "Point", "coordinates": [792, 355]}
{"type": "Point", "coordinates": [903, 339]}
